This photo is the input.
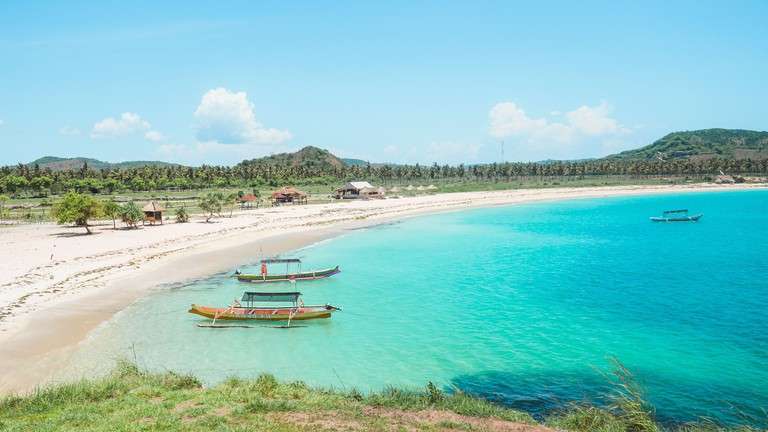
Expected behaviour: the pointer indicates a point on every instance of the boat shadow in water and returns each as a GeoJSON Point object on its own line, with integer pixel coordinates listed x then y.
{"type": "Point", "coordinates": [544, 394]}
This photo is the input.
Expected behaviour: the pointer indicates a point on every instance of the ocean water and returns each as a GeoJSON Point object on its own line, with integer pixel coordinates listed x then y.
{"type": "Point", "coordinates": [525, 305]}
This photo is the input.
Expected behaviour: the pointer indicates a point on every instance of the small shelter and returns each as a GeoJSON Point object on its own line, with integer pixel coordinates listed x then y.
{"type": "Point", "coordinates": [247, 200]}
{"type": "Point", "coordinates": [153, 212]}
{"type": "Point", "coordinates": [288, 194]}
{"type": "Point", "coordinates": [359, 189]}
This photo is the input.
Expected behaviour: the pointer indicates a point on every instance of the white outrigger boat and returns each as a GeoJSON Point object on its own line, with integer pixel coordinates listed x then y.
{"type": "Point", "coordinates": [676, 216]}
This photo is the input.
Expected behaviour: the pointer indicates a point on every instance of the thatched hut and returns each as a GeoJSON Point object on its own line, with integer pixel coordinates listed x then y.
{"type": "Point", "coordinates": [247, 200]}
{"type": "Point", "coordinates": [153, 212]}
{"type": "Point", "coordinates": [359, 189]}
{"type": "Point", "coordinates": [288, 194]}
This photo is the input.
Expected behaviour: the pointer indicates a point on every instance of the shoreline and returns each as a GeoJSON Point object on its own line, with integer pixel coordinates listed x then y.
{"type": "Point", "coordinates": [49, 306]}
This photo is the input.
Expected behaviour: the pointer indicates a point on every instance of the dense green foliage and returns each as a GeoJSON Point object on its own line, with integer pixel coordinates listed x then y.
{"type": "Point", "coordinates": [699, 154]}
{"type": "Point", "coordinates": [59, 163]}
{"type": "Point", "coordinates": [309, 158]}
{"type": "Point", "coordinates": [211, 203]}
{"type": "Point", "coordinates": [112, 211]}
{"type": "Point", "coordinates": [131, 214]}
{"type": "Point", "coordinates": [129, 399]}
{"type": "Point", "coordinates": [78, 209]}
{"type": "Point", "coordinates": [706, 143]}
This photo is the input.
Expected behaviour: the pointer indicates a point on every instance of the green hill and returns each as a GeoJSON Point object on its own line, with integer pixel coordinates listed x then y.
{"type": "Point", "coordinates": [62, 164]}
{"type": "Point", "coordinates": [308, 157]}
{"type": "Point", "coordinates": [703, 144]}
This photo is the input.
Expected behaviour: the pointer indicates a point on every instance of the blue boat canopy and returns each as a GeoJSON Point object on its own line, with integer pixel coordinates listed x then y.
{"type": "Point", "coordinates": [280, 260]}
{"type": "Point", "coordinates": [676, 211]}
{"type": "Point", "coordinates": [288, 297]}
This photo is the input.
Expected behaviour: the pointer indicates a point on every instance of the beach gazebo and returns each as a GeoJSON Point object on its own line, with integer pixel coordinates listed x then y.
{"type": "Point", "coordinates": [359, 189]}
{"type": "Point", "coordinates": [153, 212]}
{"type": "Point", "coordinates": [247, 200]}
{"type": "Point", "coordinates": [288, 194]}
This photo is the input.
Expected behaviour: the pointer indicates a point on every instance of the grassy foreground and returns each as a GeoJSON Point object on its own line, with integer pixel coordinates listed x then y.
{"type": "Point", "coordinates": [132, 400]}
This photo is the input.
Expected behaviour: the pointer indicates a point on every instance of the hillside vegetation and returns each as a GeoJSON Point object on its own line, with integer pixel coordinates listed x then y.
{"type": "Point", "coordinates": [703, 144]}
{"type": "Point", "coordinates": [60, 164]}
{"type": "Point", "coordinates": [132, 400]}
{"type": "Point", "coordinates": [309, 157]}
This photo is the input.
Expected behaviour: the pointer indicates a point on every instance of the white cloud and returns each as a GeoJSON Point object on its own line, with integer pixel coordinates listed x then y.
{"type": "Point", "coordinates": [507, 119]}
{"type": "Point", "coordinates": [595, 120]}
{"type": "Point", "coordinates": [127, 124]}
{"type": "Point", "coordinates": [567, 138]}
{"type": "Point", "coordinates": [227, 118]}
{"type": "Point", "coordinates": [154, 136]}
{"type": "Point", "coordinates": [69, 130]}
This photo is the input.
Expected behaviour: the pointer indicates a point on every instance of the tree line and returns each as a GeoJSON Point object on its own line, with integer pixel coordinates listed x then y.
{"type": "Point", "coordinates": [80, 208]}
{"type": "Point", "coordinates": [27, 179]}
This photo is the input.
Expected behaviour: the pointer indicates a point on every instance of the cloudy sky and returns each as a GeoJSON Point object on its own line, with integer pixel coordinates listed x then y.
{"type": "Point", "coordinates": [390, 81]}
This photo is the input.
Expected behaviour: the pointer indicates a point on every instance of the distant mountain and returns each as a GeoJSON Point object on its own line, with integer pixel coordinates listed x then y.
{"type": "Point", "coordinates": [354, 162]}
{"type": "Point", "coordinates": [703, 144]}
{"type": "Point", "coordinates": [308, 157]}
{"type": "Point", "coordinates": [62, 164]}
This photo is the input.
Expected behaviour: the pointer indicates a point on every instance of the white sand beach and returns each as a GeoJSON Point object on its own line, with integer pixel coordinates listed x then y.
{"type": "Point", "coordinates": [57, 284]}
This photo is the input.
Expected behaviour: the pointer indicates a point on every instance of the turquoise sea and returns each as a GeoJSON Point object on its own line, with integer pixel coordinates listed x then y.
{"type": "Point", "coordinates": [524, 305]}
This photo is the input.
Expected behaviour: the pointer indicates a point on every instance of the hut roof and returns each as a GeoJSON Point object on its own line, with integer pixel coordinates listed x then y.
{"type": "Point", "coordinates": [289, 191]}
{"type": "Point", "coordinates": [356, 185]}
{"type": "Point", "coordinates": [247, 198]}
{"type": "Point", "coordinates": [153, 207]}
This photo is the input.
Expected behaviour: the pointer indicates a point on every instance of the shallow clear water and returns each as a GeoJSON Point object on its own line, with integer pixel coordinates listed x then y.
{"type": "Point", "coordinates": [522, 304]}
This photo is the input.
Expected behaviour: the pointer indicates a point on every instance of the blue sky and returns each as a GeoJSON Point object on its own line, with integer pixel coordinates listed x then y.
{"type": "Point", "coordinates": [389, 81]}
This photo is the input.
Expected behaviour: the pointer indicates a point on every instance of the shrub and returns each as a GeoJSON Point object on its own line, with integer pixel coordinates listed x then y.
{"type": "Point", "coordinates": [131, 214]}
{"type": "Point", "coordinates": [182, 216]}
{"type": "Point", "coordinates": [78, 209]}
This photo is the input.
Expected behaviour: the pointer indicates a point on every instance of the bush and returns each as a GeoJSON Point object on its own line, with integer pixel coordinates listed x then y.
{"type": "Point", "coordinates": [131, 214]}
{"type": "Point", "coordinates": [182, 216]}
{"type": "Point", "coordinates": [78, 209]}
{"type": "Point", "coordinates": [211, 204]}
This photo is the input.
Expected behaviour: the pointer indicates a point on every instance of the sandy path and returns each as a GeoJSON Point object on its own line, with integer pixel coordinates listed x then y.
{"type": "Point", "coordinates": [56, 284]}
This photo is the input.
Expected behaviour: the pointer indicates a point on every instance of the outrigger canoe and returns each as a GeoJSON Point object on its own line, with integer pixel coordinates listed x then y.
{"type": "Point", "coordinates": [287, 276]}
{"type": "Point", "coordinates": [250, 312]}
{"type": "Point", "coordinates": [676, 216]}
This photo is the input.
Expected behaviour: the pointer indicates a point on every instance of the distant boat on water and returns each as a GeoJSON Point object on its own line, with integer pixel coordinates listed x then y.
{"type": "Point", "coordinates": [676, 216]}
{"type": "Point", "coordinates": [288, 276]}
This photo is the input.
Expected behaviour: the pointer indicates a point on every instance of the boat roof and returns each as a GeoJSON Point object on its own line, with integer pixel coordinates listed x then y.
{"type": "Point", "coordinates": [270, 296]}
{"type": "Point", "coordinates": [676, 211]}
{"type": "Point", "coordinates": [280, 260]}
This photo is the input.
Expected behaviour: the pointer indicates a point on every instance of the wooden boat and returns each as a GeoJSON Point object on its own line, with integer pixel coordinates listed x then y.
{"type": "Point", "coordinates": [287, 276]}
{"type": "Point", "coordinates": [676, 216]}
{"type": "Point", "coordinates": [249, 310]}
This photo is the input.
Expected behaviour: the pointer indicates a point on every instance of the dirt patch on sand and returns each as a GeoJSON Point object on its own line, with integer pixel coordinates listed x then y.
{"type": "Point", "coordinates": [398, 420]}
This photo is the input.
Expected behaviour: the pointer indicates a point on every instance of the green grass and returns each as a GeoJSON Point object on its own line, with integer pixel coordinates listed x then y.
{"type": "Point", "coordinates": [133, 400]}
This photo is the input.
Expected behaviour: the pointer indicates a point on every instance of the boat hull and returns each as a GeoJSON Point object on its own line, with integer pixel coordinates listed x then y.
{"type": "Point", "coordinates": [693, 218]}
{"type": "Point", "coordinates": [263, 314]}
{"type": "Point", "coordinates": [303, 276]}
